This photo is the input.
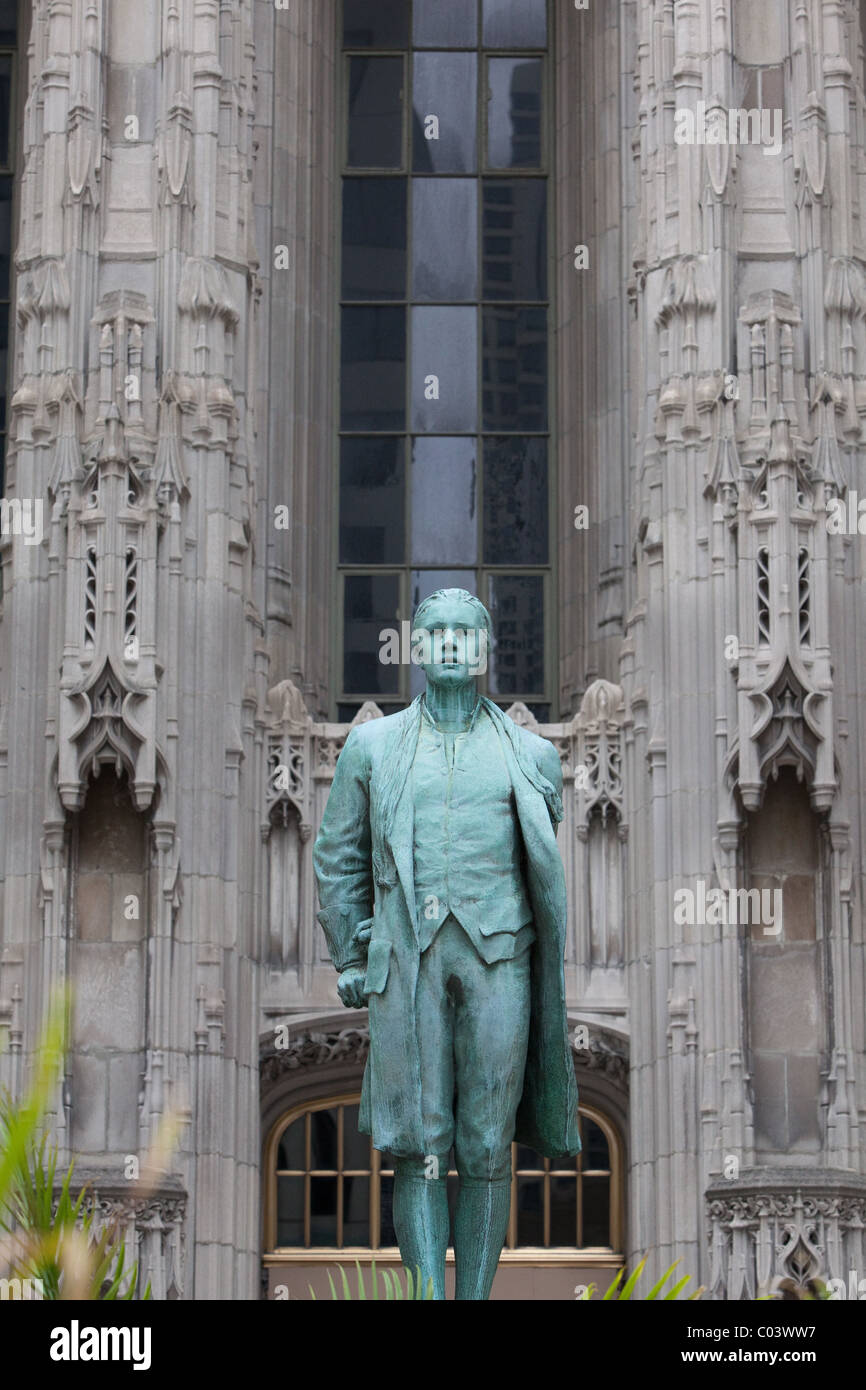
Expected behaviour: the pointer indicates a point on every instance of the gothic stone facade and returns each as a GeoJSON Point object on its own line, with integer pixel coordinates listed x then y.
{"type": "Point", "coordinates": [165, 652]}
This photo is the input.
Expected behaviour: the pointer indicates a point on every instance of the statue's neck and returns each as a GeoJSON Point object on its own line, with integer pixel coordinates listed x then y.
{"type": "Point", "coordinates": [451, 707]}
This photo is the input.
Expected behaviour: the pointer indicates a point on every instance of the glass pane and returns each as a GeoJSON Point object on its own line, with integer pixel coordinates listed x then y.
{"type": "Point", "coordinates": [373, 376]}
{"type": "Point", "coordinates": [444, 516]}
{"type": "Point", "coordinates": [370, 604]}
{"type": "Point", "coordinates": [515, 369]}
{"type": "Point", "coordinates": [5, 99]}
{"type": "Point", "coordinates": [595, 1151]}
{"type": "Point", "coordinates": [387, 1234]}
{"type": "Point", "coordinates": [515, 501]}
{"type": "Point", "coordinates": [514, 113]}
{"type": "Point", "coordinates": [290, 1153]}
{"type": "Point", "coordinates": [596, 1211]}
{"type": "Point", "coordinates": [425, 583]}
{"type": "Point", "coordinates": [290, 1211]}
{"type": "Point", "coordinates": [374, 238]}
{"type": "Point", "coordinates": [515, 23]}
{"type": "Point", "coordinates": [356, 1211]}
{"type": "Point", "coordinates": [371, 501]}
{"type": "Point", "coordinates": [8, 20]}
{"type": "Point", "coordinates": [563, 1211]}
{"type": "Point", "coordinates": [514, 230]}
{"type": "Point", "coordinates": [444, 239]}
{"type": "Point", "coordinates": [530, 1211]}
{"type": "Point", "coordinates": [446, 23]}
{"type": "Point", "coordinates": [323, 1139]}
{"type": "Point", "coordinates": [5, 238]}
{"type": "Point", "coordinates": [356, 1146]}
{"type": "Point", "coordinates": [444, 370]}
{"type": "Point", "coordinates": [516, 603]}
{"type": "Point", "coordinates": [375, 113]}
{"type": "Point", "coordinates": [444, 113]}
{"type": "Point", "coordinates": [323, 1211]}
{"type": "Point", "coordinates": [528, 1158]}
{"type": "Point", "coordinates": [375, 23]}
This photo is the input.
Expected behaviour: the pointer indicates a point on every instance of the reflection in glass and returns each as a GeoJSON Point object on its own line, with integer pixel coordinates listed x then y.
{"type": "Point", "coordinates": [515, 501]}
{"type": "Point", "coordinates": [444, 244]}
{"type": "Point", "coordinates": [516, 604]}
{"type": "Point", "coordinates": [373, 375]}
{"type": "Point", "coordinates": [375, 23]}
{"type": "Point", "coordinates": [444, 369]}
{"type": "Point", "coordinates": [444, 518]}
{"type": "Point", "coordinates": [515, 23]}
{"type": "Point", "coordinates": [445, 23]}
{"type": "Point", "coordinates": [444, 87]}
{"type": "Point", "coordinates": [371, 501]}
{"type": "Point", "coordinates": [515, 238]}
{"type": "Point", "coordinates": [514, 113]}
{"type": "Point", "coordinates": [370, 603]}
{"type": "Point", "coordinates": [515, 369]}
{"type": "Point", "coordinates": [374, 238]}
{"type": "Point", "coordinates": [375, 113]}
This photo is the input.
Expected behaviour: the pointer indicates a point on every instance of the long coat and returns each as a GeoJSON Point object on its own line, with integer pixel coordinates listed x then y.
{"type": "Point", "coordinates": [364, 862]}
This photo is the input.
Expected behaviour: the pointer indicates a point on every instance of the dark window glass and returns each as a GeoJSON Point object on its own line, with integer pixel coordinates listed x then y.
{"type": "Point", "coordinates": [373, 376]}
{"type": "Point", "coordinates": [375, 23]}
{"type": "Point", "coordinates": [5, 106]}
{"type": "Point", "coordinates": [515, 501]}
{"type": "Point", "coordinates": [444, 258]}
{"type": "Point", "coordinates": [8, 21]}
{"type": "Point", "coordinates": [387, 1234]}
{"type": "Point", "coordinates": [323, 1211]}
{"type": "Point", "coordinates": [445, 23]}
{"type": "Point", "coordinates": [515, 23]}
{"type": "Point", "coordinates": [356, 1146]}
{"type": "Point", "coordinates": [596, 1211]}
{"type": "Point", "coordinates": [371, 603]}
{"type": "Point", "coordinates": [5, 237]}
{"type": "Point", "coordinates": [515, 369]}
{"type": "Point", "coordinates": [444, 113]}
{"type": "Point", "coordinates": [374, 238]}
{"type": "Point", "coordinates": [515, 239]}
{"type": "Point", "coordinates": [530, 1211]}
{"type": "Point", "coordinates": [323, 1139]}
{"type": "Point", "coordinates": [563, 1211]}
{"type": "Point", "coordinates": [595, 1149]}
{"type": "Point", "coordinates": [356, 1211]}
{"type": "Point", "coordinates": [444, 514]}
{"type": "Point", "coordinates": [514, 113]}
{"type": "Point", "coordinates": [371, 501]}
{"type": "Point", "coordinates": [291, 1150]}
{"type": "Point", "coordinates": [375, 113]}
{"type": "Point", "coordinates": [444, 369]}
{"type": "Point", "coordinates": [290, 1211]}
{"type": "Point", "coordinates": [516, 604]}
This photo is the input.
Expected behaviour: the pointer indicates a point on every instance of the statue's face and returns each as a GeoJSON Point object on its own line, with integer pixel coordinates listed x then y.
{"type": "Point", "coordinates": [452, 643]}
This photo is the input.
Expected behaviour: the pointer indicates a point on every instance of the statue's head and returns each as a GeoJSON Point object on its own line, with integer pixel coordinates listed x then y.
{"type": "Point", "coordinates": [451, 633]}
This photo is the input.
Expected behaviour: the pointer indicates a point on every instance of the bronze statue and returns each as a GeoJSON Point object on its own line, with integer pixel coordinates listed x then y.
{"type": "Point", "coordinates": [443, 902]}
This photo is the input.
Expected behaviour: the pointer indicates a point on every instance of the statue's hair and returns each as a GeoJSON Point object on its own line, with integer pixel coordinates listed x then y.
{"type": "Point", "coordinates": [461, 595]}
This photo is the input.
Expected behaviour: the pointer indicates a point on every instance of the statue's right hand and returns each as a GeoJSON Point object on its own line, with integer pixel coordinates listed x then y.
{"type": "Point", "coordinates": [350, 987]}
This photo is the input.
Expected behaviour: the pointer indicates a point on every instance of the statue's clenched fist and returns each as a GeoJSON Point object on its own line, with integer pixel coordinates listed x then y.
{"type": "Point", "coordinates": [350, 987]}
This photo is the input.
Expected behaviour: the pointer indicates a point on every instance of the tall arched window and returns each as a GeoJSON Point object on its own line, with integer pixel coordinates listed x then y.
{"type": "Point", "coordinates": [444, 448]}
{"type": "Point", "coordinates": [329, 1191]}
